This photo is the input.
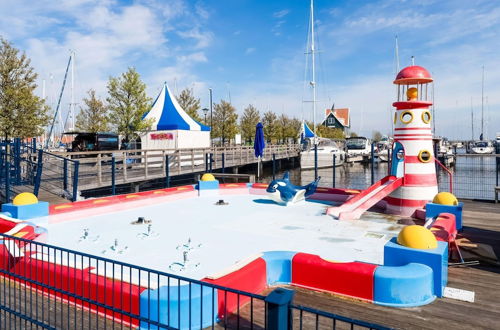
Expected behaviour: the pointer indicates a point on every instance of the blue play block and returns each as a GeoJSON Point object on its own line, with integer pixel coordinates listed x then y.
{"type": "Point", "coordinates": [436, 259]}
{"type": "Point", "coordinates": [207, 185]}
{"type": "Point", "coordinates": [278, 266]}
{"type": "Point", "coordinates": [30, 211]}
{"type": "Point", "coordinates": [433, 210]}
{"type": "Point", "coordinates": [403, 286]}
{"type": "Point", "coordinates": [192, 303]}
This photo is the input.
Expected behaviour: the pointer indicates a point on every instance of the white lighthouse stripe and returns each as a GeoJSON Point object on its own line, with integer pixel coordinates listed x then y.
{"type": "Point", "coordinates": [422, 168]}
{"type": "Point", "coordinates": [415, 193]}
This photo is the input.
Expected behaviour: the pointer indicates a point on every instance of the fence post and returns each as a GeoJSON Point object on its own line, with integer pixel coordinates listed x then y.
{"type": "Point", "coordinates": [38, 177]}
{"type": "Point", "coordinates": [315, 162]}
{"type": "Point", "coordinates": [17, 160]}
{"type": "Point", "coordinates": [7, 172]}
{"type": "Point", "coordinates": [206, 162]}
{"type": "Point", "coordinates": [210, 161]}
{"type": "Point", "coordinates": [278, 309]}
{"type": "Point", "coordinates": [274, 166]}
{"type": "Point", "coordinates": [75, 180]}
{"type": "Point", "coordinates": [333, 170]}
{"type": "Point", "coordinates": [372, 162]}
{"type": "Point", "coordinates": [223, 163]}
{"type": "Point", "coordinates": [167, 172]}
{"type": "Point", "coordinates": [33, 141]}
{"type": "Point", "coordinates": [65, 174]}
{"type": "Point", "coordinates": [113, 174]}
{"type": "Point", "coordinates": [497, 169]}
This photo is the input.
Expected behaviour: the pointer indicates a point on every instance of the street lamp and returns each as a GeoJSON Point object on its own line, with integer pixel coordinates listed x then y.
{"type": "Point", "coordinates": [205, 111]}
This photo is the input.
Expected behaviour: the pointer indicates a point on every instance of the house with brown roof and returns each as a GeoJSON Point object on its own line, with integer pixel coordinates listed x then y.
{"type": "Point", "coordinates": [337, 118]}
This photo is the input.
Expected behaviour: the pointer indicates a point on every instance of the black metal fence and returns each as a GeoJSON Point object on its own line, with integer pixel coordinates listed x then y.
{"type": "Point", "coordinates": [473, 176]}
{"type": "Point", "coordinates": [49, 287]}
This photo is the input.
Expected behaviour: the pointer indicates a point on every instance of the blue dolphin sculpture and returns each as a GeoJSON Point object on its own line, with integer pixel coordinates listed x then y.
{"type": "Point", "coordinates": [282, 191]}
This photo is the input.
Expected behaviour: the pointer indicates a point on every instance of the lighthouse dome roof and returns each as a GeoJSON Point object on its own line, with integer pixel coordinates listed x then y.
{"type": "Point", "coordinates": [413, 75]}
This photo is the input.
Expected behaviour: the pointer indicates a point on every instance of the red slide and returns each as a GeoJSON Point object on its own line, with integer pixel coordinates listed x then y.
{"type": "Point", "coordinates": [354, 207]}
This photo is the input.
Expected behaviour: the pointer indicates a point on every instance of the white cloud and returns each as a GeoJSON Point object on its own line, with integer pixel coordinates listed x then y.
{"type": "Point", "coordinates": [281, 13]}
{"type": "Point", "coordinates": [203, 38]}
{"type": "Point", "coordinates": [249, 50]}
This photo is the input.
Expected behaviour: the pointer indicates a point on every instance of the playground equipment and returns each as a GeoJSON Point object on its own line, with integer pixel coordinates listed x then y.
{"type": "Point", "coordinates": [282, 191]}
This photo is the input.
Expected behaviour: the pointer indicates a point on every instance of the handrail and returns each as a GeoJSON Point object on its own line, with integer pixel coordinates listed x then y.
{"type": "Point", "coordinates": [450, 174]}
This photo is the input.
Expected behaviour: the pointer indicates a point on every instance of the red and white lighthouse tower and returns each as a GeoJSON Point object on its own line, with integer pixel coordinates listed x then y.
{"type": "Point", "coordinates": [413, 156]}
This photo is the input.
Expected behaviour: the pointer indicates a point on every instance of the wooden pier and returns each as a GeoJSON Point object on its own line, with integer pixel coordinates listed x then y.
{"type": "Point", "coordinates": [131, 166]}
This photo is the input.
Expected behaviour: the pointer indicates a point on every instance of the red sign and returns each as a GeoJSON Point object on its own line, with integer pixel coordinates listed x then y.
{"type": "Point", "coordinates": [162, 136]}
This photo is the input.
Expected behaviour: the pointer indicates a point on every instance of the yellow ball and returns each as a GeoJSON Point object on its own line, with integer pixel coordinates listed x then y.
{"type": "Point", "coordinates": [412, 93]}
{"type": "Point", "coordinates": [207, 177]}
{"type": "Point", "coordinates": [417, 237]}
{"type": "Point", "coordinates": [25, 198]}
{"type": "Point", "coordinates": [445, 198]}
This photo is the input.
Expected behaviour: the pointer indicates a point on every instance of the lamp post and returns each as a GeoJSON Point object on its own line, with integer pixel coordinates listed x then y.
{"type": "Point", "coordinates": [211, 103]}
{"type": "Point", "coordinates": [205, 111]}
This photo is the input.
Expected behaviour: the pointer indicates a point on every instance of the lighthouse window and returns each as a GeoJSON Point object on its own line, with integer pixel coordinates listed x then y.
{"type": "Point", "coordinates": [406, 117]}
{"type": "Point", "coordinates": [424, 156]}
{"type": "Point", "coordinates": [400, 154]}
{"type": "Point", "coordinates": [426, 117]}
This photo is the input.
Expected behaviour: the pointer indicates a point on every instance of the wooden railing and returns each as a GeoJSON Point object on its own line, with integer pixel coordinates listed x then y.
{"type": "Point", "coordinates": [96, 167]}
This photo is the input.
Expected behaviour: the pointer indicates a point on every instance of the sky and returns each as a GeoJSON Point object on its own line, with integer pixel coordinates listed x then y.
{"type": "Point", "coordinates": [254, 52]}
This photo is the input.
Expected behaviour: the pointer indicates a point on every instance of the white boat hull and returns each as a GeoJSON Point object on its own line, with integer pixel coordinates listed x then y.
{"type": "Point", "coordinates": [325, 160]}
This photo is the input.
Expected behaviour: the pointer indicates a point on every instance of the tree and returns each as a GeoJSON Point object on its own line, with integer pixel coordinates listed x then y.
{"type": "Point", "coordinates": [128, 103]}
{"type": "Point", "coordinates": [224, 121]}
{"type": "Point", "coordinates": [283, 128]}
{"type": "Point", "coordinates": [295, 128]}
{"type": "Point", "coordinates": [94, 117]}
{"type": "Point", "coordinates": [376, 136]}
{"type": "Point", "coordinates": [189, 103]}
{"type": "Point", "coordinates": [330, 133]}
{"type": "Point", "coordinates": [248, 121]}
{"type": "Point", "coordinates": [269, 121]}
{"type": "Point", "coordinates": [353, 134]}
{"type": "Point", "coordinates": [22, 113]}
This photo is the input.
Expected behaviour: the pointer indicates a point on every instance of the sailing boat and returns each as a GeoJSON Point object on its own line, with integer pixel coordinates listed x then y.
{"type": "Point", "coordinates": [481, 146]}
{"type": "Point", "coordinates": [326, 149]}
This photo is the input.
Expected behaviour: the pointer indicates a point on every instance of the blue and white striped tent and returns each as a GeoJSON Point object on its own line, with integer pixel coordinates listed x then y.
{"type": "Point", "coordinates": [172, 127]}
{"type": "Point", "coordinates": [168, 114]}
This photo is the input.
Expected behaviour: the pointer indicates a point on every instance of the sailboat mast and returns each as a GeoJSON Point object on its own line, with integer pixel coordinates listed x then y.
{"type": "Point", "coordinates": [313, 81]}
{"type": "Point", "coordinates": [482, 104]}
{"type": "Point", "coordinates": [397, 56]}
{"type": "Point", "coordinates": [72, 104]}
{"type": "Point", "coordinates": [472, 119]}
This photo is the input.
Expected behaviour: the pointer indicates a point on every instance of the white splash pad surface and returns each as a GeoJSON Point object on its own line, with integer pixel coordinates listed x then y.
{"type": "Point", "coordinates": [221, 235]}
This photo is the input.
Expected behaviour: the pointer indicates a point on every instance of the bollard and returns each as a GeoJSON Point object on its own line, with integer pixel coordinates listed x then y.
{"type": "Point", "coordinates": [113, 170]}
{"type": "Point", "coordinates": [167, 172]}
{"type": "Point", "coordinates": [333, 171]}
{"type": "Point", "coordinates": [274, 166]}
{"type": "Point", "coordinates": [315, 162]}
{"type": "Point", "coordinates": [372, 162]}
{"type": "Point", "coordinates": [65, 174]}
{"type": "Point", "coordinates": [223, 163]}
{"type": "Point", "coordinates": [278, 309]}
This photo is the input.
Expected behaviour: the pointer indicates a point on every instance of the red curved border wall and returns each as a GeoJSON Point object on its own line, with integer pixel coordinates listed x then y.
{"type": "Point", "coordinates": [249, 278]}
{"type": "Point", "coordinates": [353, 279]}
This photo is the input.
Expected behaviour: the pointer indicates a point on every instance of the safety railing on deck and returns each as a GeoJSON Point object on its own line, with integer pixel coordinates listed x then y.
{"type": "Point", "coordinates": [57, 288]}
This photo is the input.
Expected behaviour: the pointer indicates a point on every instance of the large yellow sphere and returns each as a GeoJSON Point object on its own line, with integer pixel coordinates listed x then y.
{"type": "Point", "coordinates": [417, 237]}
{"type": "Point", "coordinates": [445, 198]}
{"type": "Point", "coordinates": [207, 177]}
{"type": "Point", "coordinates": [412, 93]}
{"type": "Point", "coordinates": [25, 198]}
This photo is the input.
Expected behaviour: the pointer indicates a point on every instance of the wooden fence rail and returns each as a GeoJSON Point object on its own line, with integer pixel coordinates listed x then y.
{"type": "Point", "coordinates": [140, 165]}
